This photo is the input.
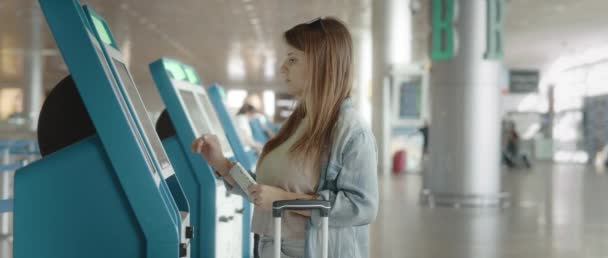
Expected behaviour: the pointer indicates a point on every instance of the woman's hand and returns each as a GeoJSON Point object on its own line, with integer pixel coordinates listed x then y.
{"type": "Point", "coordinates": [264, 195]}
{"type": "Point", "coordinates": [209, 147]}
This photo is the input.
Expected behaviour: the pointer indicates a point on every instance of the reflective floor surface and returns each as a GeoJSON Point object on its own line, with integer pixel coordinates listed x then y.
{"type": "Point", "coordinates": [557, 211]}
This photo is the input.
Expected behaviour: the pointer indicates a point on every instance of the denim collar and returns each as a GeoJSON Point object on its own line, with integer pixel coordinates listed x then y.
{"type": "Point", "coordinates": [347, 103]}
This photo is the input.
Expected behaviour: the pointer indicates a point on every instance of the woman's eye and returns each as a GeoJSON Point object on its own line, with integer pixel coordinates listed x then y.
{"type": "Point", "coordinates": [291, 60]}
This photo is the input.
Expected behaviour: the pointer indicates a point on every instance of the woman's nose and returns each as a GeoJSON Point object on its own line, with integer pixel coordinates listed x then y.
{"type": "Point", "coordinates": [283, 69]}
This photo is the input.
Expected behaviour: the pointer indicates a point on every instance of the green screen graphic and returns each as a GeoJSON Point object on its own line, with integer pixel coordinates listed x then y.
{"type": "Point", "coordinates": [191, 74]}
{"type": "Point", "coordinates": [104, 34]}
{"type": "Point", "coordinates": [175, 70]}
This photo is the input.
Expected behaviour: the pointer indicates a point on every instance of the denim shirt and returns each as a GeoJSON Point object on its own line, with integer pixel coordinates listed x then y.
{"type": "Point", "coordinates": [350, 182]}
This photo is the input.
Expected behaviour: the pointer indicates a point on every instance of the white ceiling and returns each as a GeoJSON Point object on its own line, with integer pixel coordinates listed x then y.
{"type": "Point", "coordinates": [539, 31]}
{"type": "Point", "coordinates": [209, 33]}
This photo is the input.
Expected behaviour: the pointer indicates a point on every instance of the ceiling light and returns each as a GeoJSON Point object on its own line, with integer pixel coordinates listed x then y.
{"type": "Point", "coordinates": [254, 21]}
{"type": "Point", "coordinates": [236, 67]}
{"type": "Point", "coordinates": [270, 63]}
{"type": "Point", "coordinates": [249, 7]}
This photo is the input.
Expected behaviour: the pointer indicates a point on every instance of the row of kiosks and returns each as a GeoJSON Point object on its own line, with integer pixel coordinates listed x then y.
{"type": "Point", "coordinates": [224, 219]}
{"type": "Point", "coordinates": [109, 189]}
{"type": "Point", "coordinates": [209, 222]}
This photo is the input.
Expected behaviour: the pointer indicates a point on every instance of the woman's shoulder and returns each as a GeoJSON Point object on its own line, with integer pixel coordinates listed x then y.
{"type": "Point", "coordinates": [350, 125]}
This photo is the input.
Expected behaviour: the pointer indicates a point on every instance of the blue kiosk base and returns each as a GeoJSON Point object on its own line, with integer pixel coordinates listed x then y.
{"type": "Point", "coordinates": [65, 219]}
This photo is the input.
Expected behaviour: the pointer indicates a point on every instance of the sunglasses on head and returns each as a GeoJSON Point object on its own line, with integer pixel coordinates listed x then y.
{"type": "Point", "coordinates": [317, 23]}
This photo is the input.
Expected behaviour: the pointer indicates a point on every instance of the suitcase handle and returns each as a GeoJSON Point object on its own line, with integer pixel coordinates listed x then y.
{"type": "Point", "coordinates": [277, 212]}
{"type": "Point", "coordinates": [279, 206]}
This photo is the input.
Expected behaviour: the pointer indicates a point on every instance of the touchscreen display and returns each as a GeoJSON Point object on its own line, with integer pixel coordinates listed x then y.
{"type": "Point", "coordinates": [140, 110]}
{"type": "Point", "coordinates": [202, 119]}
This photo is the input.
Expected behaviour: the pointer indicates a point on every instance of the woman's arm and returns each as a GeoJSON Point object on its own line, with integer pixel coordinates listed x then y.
{"type": "Point", "coordinates": [298, 196]}
{"type": "Point", "coordinates": [263, 196]}
{"type": "Point", "coordinates": [223, 170]}
{"type": "Point", "coordinates": [230, 183]}
{"type": "Point", "coordinates": [355, 202]}
{"type": "Point", "coordinates": [209, 147]}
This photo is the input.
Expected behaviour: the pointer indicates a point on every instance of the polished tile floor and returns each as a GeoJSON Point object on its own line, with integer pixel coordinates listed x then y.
{"type": "Point", "coordinates": [558, 211]}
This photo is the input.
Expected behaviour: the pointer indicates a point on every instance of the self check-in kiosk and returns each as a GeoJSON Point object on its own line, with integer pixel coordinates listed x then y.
{"type": "Point", "coordinates": [245, 156]}
{"type": "Point", "coordinates": [188, 115]}
{"type": "Point", "coordinates": [106, 189]}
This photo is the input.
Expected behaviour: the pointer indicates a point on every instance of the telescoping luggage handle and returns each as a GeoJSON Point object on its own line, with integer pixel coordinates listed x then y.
{"type": "Point", "coordinates": [277, 212]}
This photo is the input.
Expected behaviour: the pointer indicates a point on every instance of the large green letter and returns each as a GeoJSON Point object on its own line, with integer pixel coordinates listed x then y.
{"type": "Point", "coordinates": [443, 30]}
{"type": "Point", "coordinates": [494, 38]}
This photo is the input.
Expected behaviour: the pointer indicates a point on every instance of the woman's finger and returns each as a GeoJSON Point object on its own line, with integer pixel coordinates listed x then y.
{"type": "Point", "coordinates": [255, 195]}
{"type": "Point", "coordinates": [254, 188]}
{"type": "Point", "coordinates": [194, 144]}
{"type": "Point", "coordinates": [199, 146]}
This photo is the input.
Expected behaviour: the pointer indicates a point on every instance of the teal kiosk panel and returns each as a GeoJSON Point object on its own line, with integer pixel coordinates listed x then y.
{"type": "Point", "coordinates": [245, 156]}
{"type": "Point", "coordinates": [145, 127]}
{"type": "Point", "coordinates": [104, 195]}
{"type": "Point", "coordinates": [257, 131]}
{"type": "Point", "coordinates": [224, 231]}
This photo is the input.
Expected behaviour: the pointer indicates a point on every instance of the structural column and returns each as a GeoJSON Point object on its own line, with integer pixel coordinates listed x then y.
{"type": "Point", "coordinates": [392, 47]}
{"type": "Point", "coordinates": [33, 66]}
{"type": "Point", "coordinates": [465, 131]}
{"type": "Point", "coordinates": [362, 50]}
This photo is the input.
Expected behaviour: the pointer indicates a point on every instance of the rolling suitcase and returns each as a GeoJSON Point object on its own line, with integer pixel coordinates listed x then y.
{"type": "Point", "coordinates": [277, 212]}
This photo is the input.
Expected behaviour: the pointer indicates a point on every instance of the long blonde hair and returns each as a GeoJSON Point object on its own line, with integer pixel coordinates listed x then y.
{"type": "Point", "coordinates": [327, 45]}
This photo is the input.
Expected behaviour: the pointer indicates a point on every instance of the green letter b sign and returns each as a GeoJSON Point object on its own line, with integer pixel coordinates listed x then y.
{"type": "Point", "coordinates": [494, 38]}
{"type": "Point", "coordinates": [444, 36]}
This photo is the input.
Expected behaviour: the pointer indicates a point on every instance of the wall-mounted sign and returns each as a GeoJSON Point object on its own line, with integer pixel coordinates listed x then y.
{"type": "Point", "coordinates": [407, 98]}
{"type": "Point", "coordinates": [410, 99]}
{"type": "Point", "coordinates": [523, 81]}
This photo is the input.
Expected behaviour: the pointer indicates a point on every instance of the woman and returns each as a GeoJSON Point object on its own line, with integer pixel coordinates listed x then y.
{"type": "Point", "coordinates": [323, 151]}
{"type": "Point", "coordinates": [242, 119]}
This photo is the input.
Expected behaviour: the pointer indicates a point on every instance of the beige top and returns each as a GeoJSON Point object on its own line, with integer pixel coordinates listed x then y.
{"type": "Point", "coordinates": [293, 175]}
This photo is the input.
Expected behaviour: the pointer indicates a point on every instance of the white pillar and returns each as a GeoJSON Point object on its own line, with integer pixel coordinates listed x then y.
{"type": "Point", "coordinates": [362, 48]}
{"type": "Point", "coordinates": [392, 46]}
{"type": "Point", "coordinates": [34, 67]}
{"type": "Point", "coordinates": [465, 133]}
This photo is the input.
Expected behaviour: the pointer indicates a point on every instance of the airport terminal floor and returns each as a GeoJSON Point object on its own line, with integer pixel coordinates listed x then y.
{"type": "Point", "coordinates": [556, 211]}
